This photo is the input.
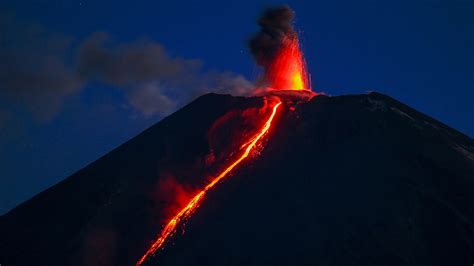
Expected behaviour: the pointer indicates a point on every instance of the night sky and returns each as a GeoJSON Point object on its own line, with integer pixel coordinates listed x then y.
{"type": "Point", "coordinates": [62, 107]}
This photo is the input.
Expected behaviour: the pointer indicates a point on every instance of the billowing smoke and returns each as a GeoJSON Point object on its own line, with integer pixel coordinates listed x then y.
{"type": "Point", "coordinates": [154, 81]}
{"type": "Point", "coordinates": [40, 70]}
{"type": "Point", "coordinates": [276, 26]}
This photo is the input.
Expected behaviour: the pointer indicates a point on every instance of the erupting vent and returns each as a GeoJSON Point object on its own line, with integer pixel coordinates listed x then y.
{"type": "Point", "coordinates": [288, 71]}
{"type": "Point", "coordinates": [284, 77]}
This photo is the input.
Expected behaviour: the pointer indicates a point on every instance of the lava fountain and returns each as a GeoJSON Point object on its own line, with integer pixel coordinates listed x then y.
{"type": "Point", "coordinates": [276, 49]}
{"type": "Point", "coordinates": [288, 70]}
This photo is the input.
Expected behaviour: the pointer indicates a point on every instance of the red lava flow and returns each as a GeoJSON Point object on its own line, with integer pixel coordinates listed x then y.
{"type": "Point", "coordinates": [193, 204]}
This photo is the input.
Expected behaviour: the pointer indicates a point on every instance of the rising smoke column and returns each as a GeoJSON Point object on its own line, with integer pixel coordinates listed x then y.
{"type": "Point", "coordinates": [276, 49]}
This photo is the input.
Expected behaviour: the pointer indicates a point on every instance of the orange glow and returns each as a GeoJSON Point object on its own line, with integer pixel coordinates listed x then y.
{"type": "Point", "coordinates": [193, 204]}
{"type": "Point", "coordinates": [288, 71]}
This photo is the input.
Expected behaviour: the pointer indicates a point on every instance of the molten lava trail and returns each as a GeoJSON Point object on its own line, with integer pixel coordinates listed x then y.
{"type": "Point", "coordinates": [193, 204]}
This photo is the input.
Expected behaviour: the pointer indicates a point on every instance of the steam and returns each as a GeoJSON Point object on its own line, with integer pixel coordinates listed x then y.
{"type": "Point", "coordinates": [40, 70]}
{"type": "Point", "coordinates": [276, 26]}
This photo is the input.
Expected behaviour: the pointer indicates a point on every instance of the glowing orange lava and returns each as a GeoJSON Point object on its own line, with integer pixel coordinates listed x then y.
{"type": "Point", "coordinates": [288, 71]}
{"type": "Point", "coordinates": [186, 212]}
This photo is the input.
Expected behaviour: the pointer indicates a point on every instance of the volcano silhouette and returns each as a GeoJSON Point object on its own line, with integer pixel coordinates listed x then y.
{"type": "Point", "coordinates": [346, 180]}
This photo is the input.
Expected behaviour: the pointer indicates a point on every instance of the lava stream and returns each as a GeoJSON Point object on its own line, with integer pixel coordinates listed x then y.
{"type": "Point", "coordinates": [193, 204]}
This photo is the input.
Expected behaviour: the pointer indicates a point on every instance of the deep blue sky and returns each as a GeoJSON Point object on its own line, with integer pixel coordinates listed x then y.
{"type": "Point", "coordinates": [420, 52]}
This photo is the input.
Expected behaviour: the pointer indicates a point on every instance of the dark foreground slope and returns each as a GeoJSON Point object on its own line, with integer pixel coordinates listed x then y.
{"type": "Point", "coordinates": [349, 180]}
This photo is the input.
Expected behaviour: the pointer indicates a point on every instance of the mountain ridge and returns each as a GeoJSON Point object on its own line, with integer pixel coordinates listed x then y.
{"type": "Point", "coordinates": [365, 134]}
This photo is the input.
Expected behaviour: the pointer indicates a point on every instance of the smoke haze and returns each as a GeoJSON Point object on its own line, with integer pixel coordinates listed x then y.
{"type": "Point", "coordinates": [41, 69]}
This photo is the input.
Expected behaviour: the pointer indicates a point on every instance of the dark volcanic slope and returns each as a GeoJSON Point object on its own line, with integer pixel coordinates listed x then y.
{"type": "Point", "coordinates": [349, 180]}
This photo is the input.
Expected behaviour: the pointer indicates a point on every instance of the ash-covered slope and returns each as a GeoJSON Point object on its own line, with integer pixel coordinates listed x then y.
{"type": "Point", "coordinates": [348, 180]}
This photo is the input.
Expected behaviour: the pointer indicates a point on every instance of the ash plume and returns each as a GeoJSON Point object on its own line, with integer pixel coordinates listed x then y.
{"type": "Point", "coordinates": [276, 25]}
{"type": "Point", "coordinates": [131, 63]}
{"type": "Point", "coordinates": [154, 82]}
{"type": "Point", "coordinates": [40, 70]}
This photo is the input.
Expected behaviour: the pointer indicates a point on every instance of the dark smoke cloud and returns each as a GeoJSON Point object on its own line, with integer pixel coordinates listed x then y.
{"type": "Point", "coordinates": [128, 64]}
{"type": "Point", "coordinates": [154, 81]}
{"type": "Point", "coordinates": [40, 70]}
{"type": "Point", "coordinates": [276, 24]}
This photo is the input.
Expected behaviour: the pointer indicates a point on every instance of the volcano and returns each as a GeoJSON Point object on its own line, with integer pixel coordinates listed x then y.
{"type": "Point", "coordinates": [346, 180]}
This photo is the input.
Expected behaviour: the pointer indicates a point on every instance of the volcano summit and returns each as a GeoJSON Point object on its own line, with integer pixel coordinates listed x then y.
{"type": "Point", "coordinates": [346, 180]}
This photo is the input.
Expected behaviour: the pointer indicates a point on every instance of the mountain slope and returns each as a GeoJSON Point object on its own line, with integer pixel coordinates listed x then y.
{"type": "Point", "coordinates": [347, 180]}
